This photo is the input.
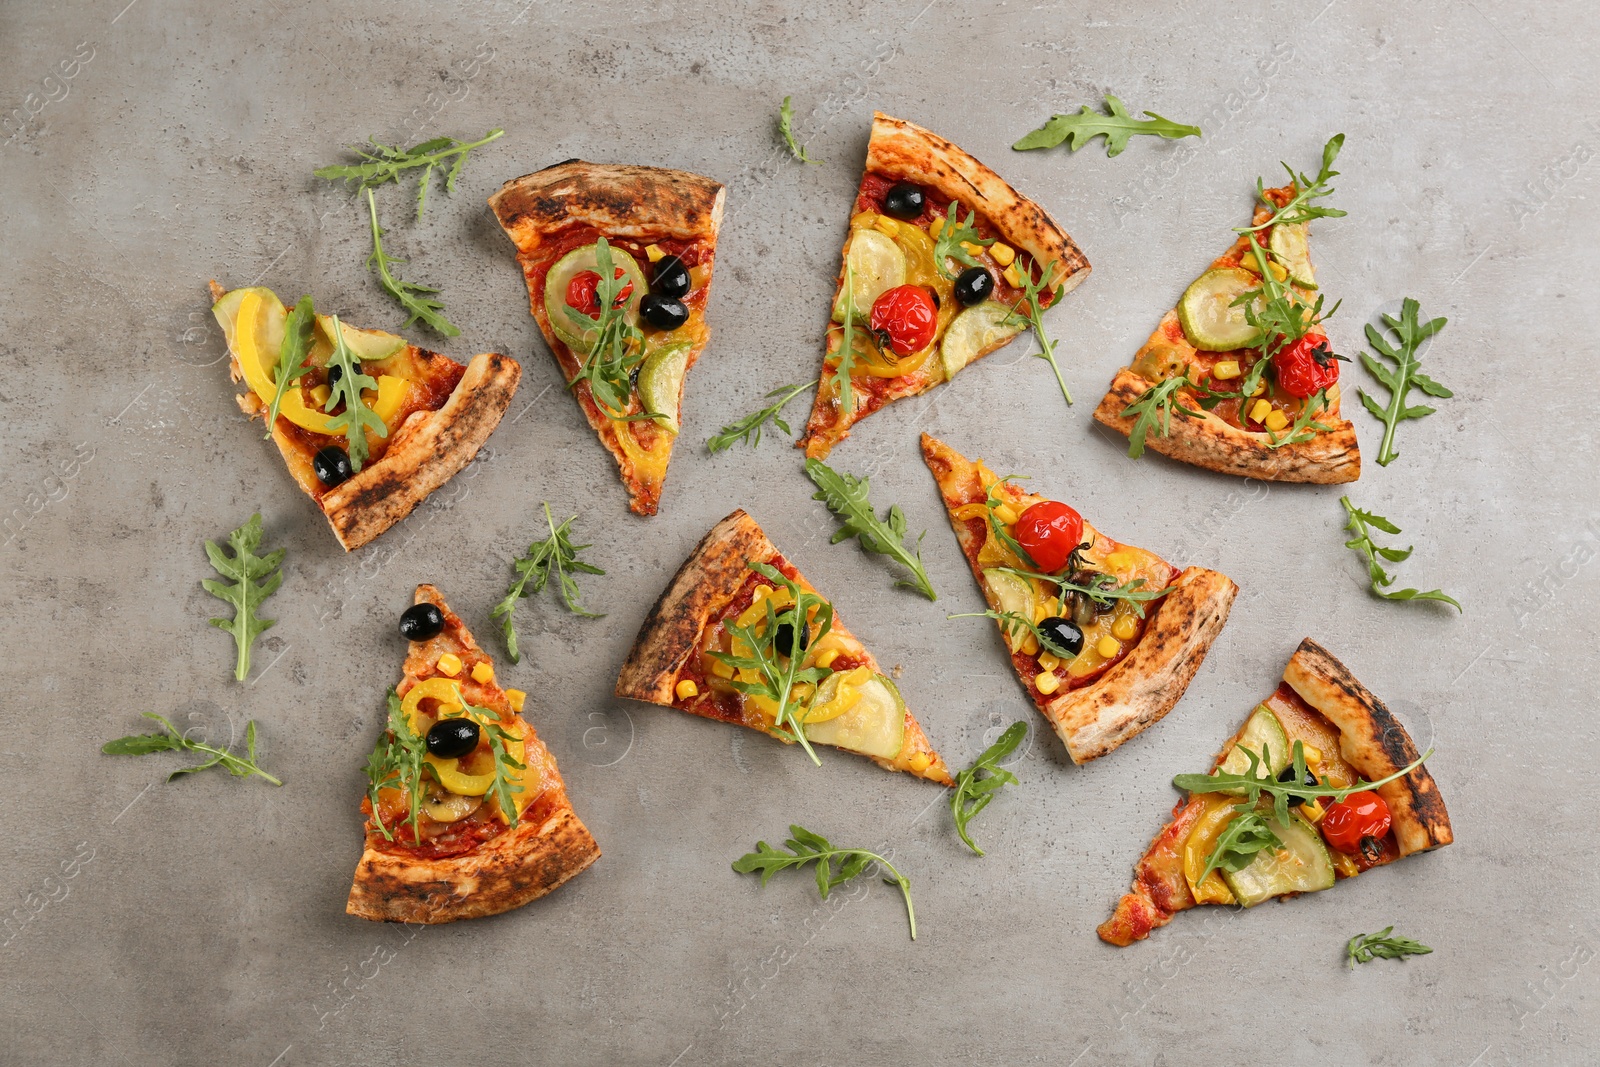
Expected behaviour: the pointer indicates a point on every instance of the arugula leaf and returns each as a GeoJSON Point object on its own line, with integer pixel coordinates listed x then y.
{"type": "Point", "coordinates": [387, 163]}
{"type": "Point", "coordinates": [292, 354]}
{"type": "Point", "coordinates": [835, 866]}
{"type": "Point", "coordinates": [952, 236]}
{"type": "Point", "coordinates": [618, 346]}
{"type": "Point", "coordinates": [1252, 785]}
{"type": "Point", "coordinates": [1079, 129]}
{"type": "Point", "coordinates": [356, 418]}
{"type": "Point", "coordinates": [556, 555]}
{"type": "Point", "coordinates": [410, 295]}
{"type": "Point", "coordinates": [972, 793]}
{"type": "Point", "coordinates": [1103, 589]}
{"type": "Point", "coordinates": [1279, 313]}
{"type": "Point", "coordinates": [1246, 834]}
{"type": "Point", "coordinates": [1033, 314]}
{"type": "Point", "coordinates": [1015, 624]}
{"type": "Point", "coordinates": [1409, 333]}
{"type": "Point", "coordinates": [1154, 409]}
{"type": "Point", "coordinates": [786, 130]}
{"type": "Point", "coordinates": [1300, 208]}
{"type": "Point", "coordinates": [752, 423]}
{"type": "Point", "coordinates": [847, 345]}
{"type": "Point", "coordinates": [846, 496]}
{"type": "Point", "coordinates": [777, 673]}
{"type": "Point", "coordinates": [396, 762]}
{"type": "Point", "coordinates": [1305, 425]}
{"type": "Point", "coordinates": [255, 578]}
{"type": "Point", "coordinates": [173, 740]}
{"type": "Point", "coordinates": [1358, 523]}
{"type": "Point", "coordinates": [1362, 948]}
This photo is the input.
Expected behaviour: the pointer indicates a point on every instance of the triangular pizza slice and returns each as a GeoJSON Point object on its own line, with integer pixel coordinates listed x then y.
{"type": "Point", "coordinates": [1213, 389]}
{"type": "Point", "coordinates": [1365, 800]}
{"type": "Point", "coordinates": [422, 416]}
{"type": "Point", "coordinates": [940, 255]}
{"type": "Point", "coordinates": [1104, 636]}
{"type": "Point", "coordinates": [466, 811]}
{"type": "Point", "coordinates": [625, 343]}
{"type": "Point", "coordinates": [721, 642]}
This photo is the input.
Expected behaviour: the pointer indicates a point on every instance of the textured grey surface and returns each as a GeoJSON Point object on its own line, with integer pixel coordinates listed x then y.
{"type": "Point", "coordinates": [203, 921]}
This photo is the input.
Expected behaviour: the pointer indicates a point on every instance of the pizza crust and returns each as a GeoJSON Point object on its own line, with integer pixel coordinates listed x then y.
{"type": "Point", "coordinates": [548, 846]}
{"type": "Point", "coordinates": [905, 150]}
{"type": "Point", "coordinates": [1330, 458]}
{"type": "Point", "coordinates": [697, 596]}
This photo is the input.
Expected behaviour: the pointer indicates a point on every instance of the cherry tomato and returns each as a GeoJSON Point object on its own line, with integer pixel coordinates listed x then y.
{"type": "Point", "coordinates": [1049, 531]}
{"type": "Point", "coordinates": [1359, 815]}
{"type": "Point", "coordinates": [582, 292]}
{"type": "Point", "coordinates": [904, 319]}
{"type": "Point", "coordinates": [1306, 366]}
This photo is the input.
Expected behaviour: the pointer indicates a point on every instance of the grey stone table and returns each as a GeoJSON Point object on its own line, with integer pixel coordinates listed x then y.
{"type": "Point", "coordinates": [152, 145]}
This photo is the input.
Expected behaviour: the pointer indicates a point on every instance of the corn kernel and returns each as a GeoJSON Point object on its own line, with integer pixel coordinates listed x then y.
{"type": "Point", "coordinates": [1006, 514]}
{"type": "Point", "coordinates": [920, 762]}
{"type": "Point", "coordinates": [686, 689]}
{"type": "Point", "coordinates": [1228, 368]}
{"type": "Point", "coordinates": [1260, 388]}
{"type": "Point", "coordinates": [1052, 607]}
{"type": "Point", "coordinates": [1047, 683]}
{"type": "Point", "coordinates": [1013, 277]}
{"type": "Point", "coordinates": [1259, 411]}
{"type": "Point", "coordinates": [447, 711]}
{"type": "Point", "coordinates": [483, 672]}
{"type": "Point", "coordinates": [1312, 811]}
{"type": "Point", "coordinates": [972, 249]}
{"type": "Point", "coordinates": [1313, 753]}
{"type": "Point", "coordinates": [936, 227]}
{"type": "Point", "coordinates": [449, 663]}
{"type": "Point", "coordinates": [721, 669]}
{"type": "Point", "coordinates": [516, 698]}
{"type": "Point", "coordinates": [827, 657]}
{"type": "Point", "coordinates": [655, 253]}
{"type": "Point", "coordinates": [320, 394]}
{"type": "Point", "coordinates": [1108, 646]}
{"type": "Point", "coordinates": [1276, 420]}
{"type": "Point", "coordinates": [1003, 253]}
{"type": "Point", "coordinates": [1049, 661]}
{"type": "Point", "coordinates": [1030, 645]}
{"type": "Point", "coordinates": [1125, 627]}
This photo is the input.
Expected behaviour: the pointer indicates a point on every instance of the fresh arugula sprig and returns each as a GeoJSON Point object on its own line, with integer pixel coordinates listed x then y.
{"type": "Point", "coordinates": [846, 496]}
{"type": "Point", "coordinates": [1246, 834]}
{"type": "Point", "coordinates": [1032, 314]}
{"type": "Point", "coordinates": [383, 163]}
{"type": "Point", "coordinates": [1359, 523]}
{"type": "Point", "coordinates": [396, 762]}
{"type": "Point", "coordinates": [1104, 589]}
{"type": "Point", "coordinates": [1152, 410]}
{"type": "Point", "coordinates": [1277, 311]}
{"type": "Point", "coordinates": [749, 427]}
{"type": "Point", "coordinates": [173, 740]}
{"type": "Point", "coordinates": [292, 363]}
{"type": "Point", "coordinates": [1409, 333]}
{"type": "Point", "coordinates": [1363, 948]}
{"type": "Point", "coordinates": [556, 555]}
{"type": "Point", "coordinates": [618, 344]}
{"type": "Point", "coordinates": [835, 866]}
{"type": "Point", "coordinates": [1016, 625]}
{"type": "Point", "coordinates": [847, 345]}
{"type": "Point", "coordinates": [786, 131]}
{"type": "Point", "coordinates": [973, 793]}
{"type": "Point", "coordinates": [254, 579]}
{"type": "Point", "coordinates": [503, 788]}
{"type": "Point", "coordinates": [356, 418]}
{"type": "Point", "coordinates": [410, 295]}
{"type": "Point", "coordinates": [777, 673]}
{"type": "Point", "coordinates": [1305, 425]}
{"type": "Point", "coordinates": [1300, 208]}
{"type": "Point", "coordinates": [952, 236]}
{"type": "Point", "coordinates": [1079, 129]}
{"type": "Point", "coordinates": [1252, 786]}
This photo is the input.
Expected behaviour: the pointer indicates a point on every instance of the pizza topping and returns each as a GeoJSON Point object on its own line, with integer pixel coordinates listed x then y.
{"type": "Point", "coordinates": [976, 330]}
{"type": "Point", "coordinates": [421, 622]}
{"type": "Point", "coordinates": [452, 738]}
{"type": "Point", "coordinates": [1049, 532]}
{"type": "Point", "coordinates": [1306, 367]}
{"type": "Point", "coordinates": [581, 292]}
{"type": "Point", "coordinates": [1349, 823]}
{"type": "Point", "coordinates": [332, 466]}
{"type": "Point", "coordinates": [663, 312]}
{"type": "Point", "coordinates": [904, 200]}
{"type": "Point", "coordinates": [958, 240]}
{"type": "Point", "coordinates": [1289, 858]}
{"type": "Point", "coordinates": [974, 285]}
{"type": "Point", "coordinates": [1292, 251]}
{"type": "Point", "coordinates": [1063, 634]}
{"type": "Point", "coordinates": [576, 277]}
{"type": "Point", "coordinates": [661, 376]}
{"type": "Point", "coordinates": [872, 720]}
{"type": "Point", "coordinates": [670, 277]}
{"type": "Point", "coordinates": [875, 264]}
{"type": "Point", "coordinates": [1211, 314]}
{"type": "Point", "coordinates": [1036, 296]}
{"type": "Point", "coordinates": [904, 319]}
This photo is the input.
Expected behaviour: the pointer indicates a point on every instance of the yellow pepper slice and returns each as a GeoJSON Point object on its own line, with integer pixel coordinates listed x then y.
{"type": "Point", "coordinates": [845, 697]}
{"type": "Point", "coordinates": [443, 690]}
{"type": "Point", "coordinates": [1197, 848]}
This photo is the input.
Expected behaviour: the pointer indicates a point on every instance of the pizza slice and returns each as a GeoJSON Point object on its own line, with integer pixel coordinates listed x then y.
{"type": "Point", "coordinates": [1324, 730]}
{"type": "Point", "coordinates": [1104, 636]}
{"type": "Point", "coordinates": [624, 343]}
{"type": "Point", "coordinates": [721, 642]}
{"type": "Point", "coordinates": [425, 416]}
{"type": "Point", "coordinates": [1258, 399]}
{"type": "Point", "coordinates": [467, 814]}
{"type": "Point", "coordinates": [940, 256]}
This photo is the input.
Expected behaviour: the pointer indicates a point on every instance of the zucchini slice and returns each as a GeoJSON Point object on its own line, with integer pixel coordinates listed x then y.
{"type": "Point", "coordinates": [661, 382]}
{"type": "Point", "coordinates": [1207, 313]}
{"type": "Point", "coordinates": [566, 268]}
{"type": "Point", "coordinates": [1261, 731]}
{"type": "Point", "coordinates": [874, 726]}
{"type": "Point", "coordinates": [877, 265]}
{"type": "Point", "coordinates": [975, 331]}
{"type": "Point", "coordinates": [1304, 865]}
{"type": "Point", "coordinates": [1013, 594]}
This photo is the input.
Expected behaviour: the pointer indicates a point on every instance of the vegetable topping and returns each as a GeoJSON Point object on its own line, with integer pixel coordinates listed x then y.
{"type": "Point", "coordinates": [1049, 532]}
{"type": "Point", "coordinates": [904, 319]}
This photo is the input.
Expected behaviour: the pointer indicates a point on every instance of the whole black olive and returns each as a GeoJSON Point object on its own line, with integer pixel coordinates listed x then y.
{"type": "Point", "coordinates": [452, 738]}
{"type": "Point", "coordinates": [421, 622]}
{"type": "Point", "coordinates": [332, 466]}
{"type": "Point", "coordinates": [1287, 775]}
{"type": "Point", "coordinates": [663, 312]}
{"type": "Point", "coordinates": [1064, 633]}
{"type": "Point", "coordinates": [671, 277]}
{"type": "Point", "coordinates": [974, 285]}
{"type": "Point", "coordinates": [783, 638]}
{"type": "Point", "coordinates": [903, 200]}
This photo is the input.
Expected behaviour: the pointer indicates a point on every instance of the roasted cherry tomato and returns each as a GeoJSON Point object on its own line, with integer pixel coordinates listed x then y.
{"type": "Point", "coordinates": [1358, 815]}
{"type": "Point", "coordinates": [1049, 531]}
{"type": "Point", "coordinates": [905, 319]}
{"type": "Point", "coordinates": [1306, 366]}
{"type": "Point", "coordinates": [582, 292]}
